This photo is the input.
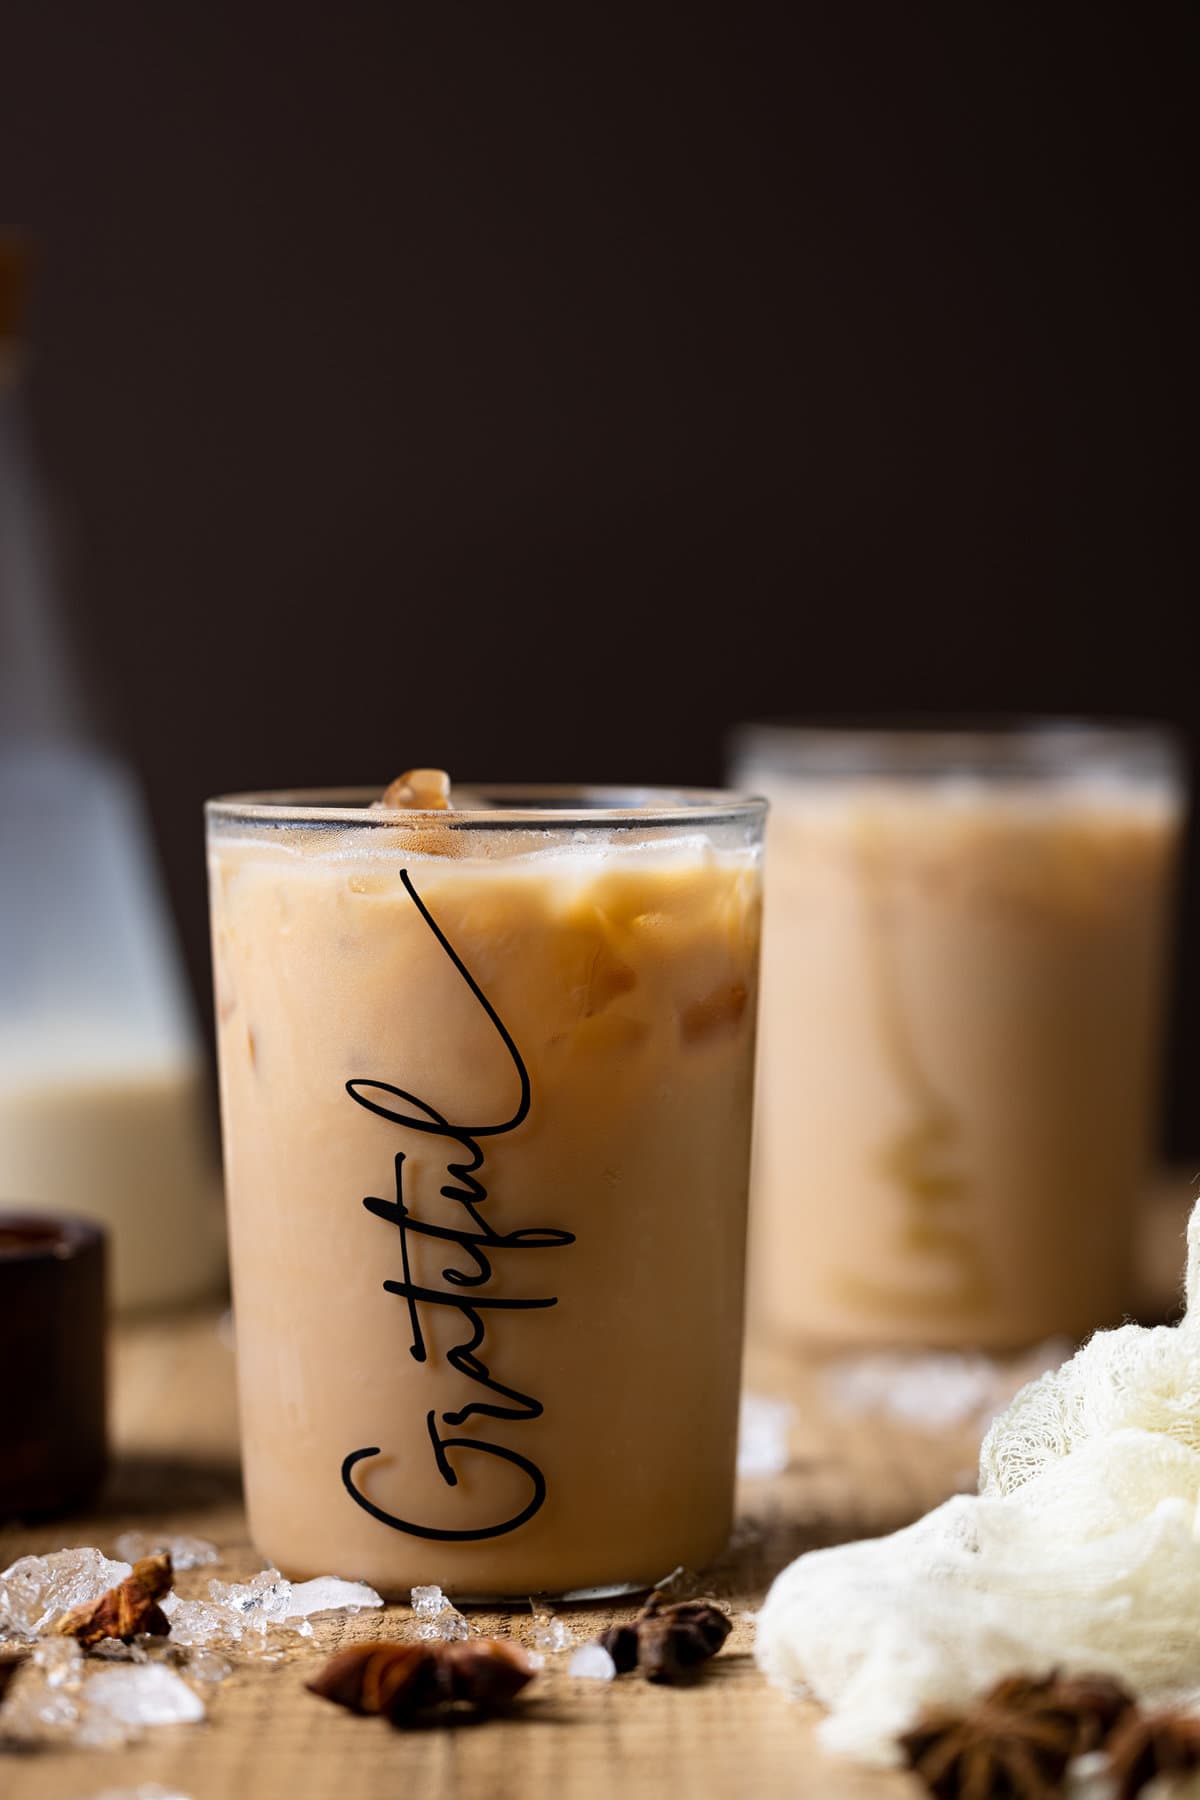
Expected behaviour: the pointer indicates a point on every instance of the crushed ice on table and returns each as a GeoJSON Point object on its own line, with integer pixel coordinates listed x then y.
{"type": "Point", "coordinates": [254, 1608]}
{"type": "Point", "coordinates": [137, 1695]}
{"type": "Point", "coordinates": [553, 1635]}
{"type": "Point", "coordinates": [61, 1661]}
{"type": "Point", "coordinates": [328, 1593]}
{"type": "Point", "coordinates": [266, 1595]}
{"type": "Point", "coordinates": [185, 1552]}
{"type": "Point", "coordinates": [196, 1622]}
{"type": "Point", "coordinates": [937, 1389]}
{"type": "Point", "coordinates": [592, 1662]}
{"type": "Point", "coordinates": [437, 1618]}
{"type": "Point", "coordinates": [247, 1612]}
{"type": "Point", "coordinates": [763, 1427]}
{"type": "Point", "coordinates": [427, 1602]}
{"type": "Point", "coordinates": [549, 1633]}
{"type": "Point", "coordinates": [42, 1704]}
{"type": "Point", "coordinates": [36, 1589]}
{"type": "Point", "coordinates": [208, 1665]}
{"type": "Point", "coordinates": [449, 1627]}
{"type": "Point", "coordinates": [54, 1701]}
{"type": "Point", "coordinates": [36, 1712]}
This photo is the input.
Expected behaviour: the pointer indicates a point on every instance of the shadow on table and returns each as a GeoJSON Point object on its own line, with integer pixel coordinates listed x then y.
{"type": "Point", "coordinates": [534, 1709]}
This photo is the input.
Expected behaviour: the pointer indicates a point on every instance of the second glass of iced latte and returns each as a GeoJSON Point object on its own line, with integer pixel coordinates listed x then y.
{"type": "Point", "coordinates": [966, 950]}
{"type": "Point", "coordinates": [486, 1081]}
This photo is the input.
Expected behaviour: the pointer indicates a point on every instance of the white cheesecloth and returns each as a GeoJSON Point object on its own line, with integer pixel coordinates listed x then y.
{"type": "Point", "coordinates": [1081, 1551]}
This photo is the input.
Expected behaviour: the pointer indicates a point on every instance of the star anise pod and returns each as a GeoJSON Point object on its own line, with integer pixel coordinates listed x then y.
{"type": "Point", "coordinates": [125, 1611]}
{"type": "Point", "coordinates": [408, 1681]}
{"type": "Point", "coordinates": [1147, 1745]}
{"type": "Point", "coordinates": [375, 1677]}
{"type": "Point", "coordinates": [487, 1672]}
{"type": "Point", "coordinates": [992, 1750]}
{"type": "Point", "coordinates": [667, 1642]}
{"type": "Point", "coordinates": [621, 1642]}
{"type": "Point", "coordinates": [1090, 1706]}
{"type": "Point", "coordinates": [1018, 1740]}
{"type": "Point", "coordinates": [986, 1753]}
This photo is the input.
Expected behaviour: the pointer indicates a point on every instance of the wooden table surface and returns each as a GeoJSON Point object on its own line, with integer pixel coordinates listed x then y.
{"type": "Point", "coordinates": [851, 1474]}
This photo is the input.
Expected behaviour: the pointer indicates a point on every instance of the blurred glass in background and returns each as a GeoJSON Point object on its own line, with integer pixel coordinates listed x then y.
{"type": "Point", "coordinates": [102, 1082]}
{"type": "Point", "coordinates": [965, 948]}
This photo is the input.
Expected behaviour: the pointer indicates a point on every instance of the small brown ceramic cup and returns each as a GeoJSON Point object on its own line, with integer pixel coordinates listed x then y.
{"type": "Point", "coordinates": [53, 1450]}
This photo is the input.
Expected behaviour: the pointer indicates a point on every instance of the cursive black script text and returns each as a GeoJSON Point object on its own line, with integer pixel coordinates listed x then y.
{"type": "Point", "coordinates": [465, 1291]}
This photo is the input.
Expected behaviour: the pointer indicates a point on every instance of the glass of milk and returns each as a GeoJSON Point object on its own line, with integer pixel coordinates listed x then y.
{"type": "Point", "coordinates": [102, 1105]}
{"type": "Point", "coordinates": [103, 1110]}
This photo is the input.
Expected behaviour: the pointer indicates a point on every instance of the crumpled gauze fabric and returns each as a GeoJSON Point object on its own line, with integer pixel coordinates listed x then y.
{"type": "Point", "coordinates": [1081, 1551]}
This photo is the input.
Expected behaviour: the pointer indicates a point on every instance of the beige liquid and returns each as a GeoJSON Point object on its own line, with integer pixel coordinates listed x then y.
{"type": "Point", "coordinates": [961, 1015]}
{"type": "Point", "coordinates": [123, 1139]}
{"type": "Point", "coordinates": [627, 982]}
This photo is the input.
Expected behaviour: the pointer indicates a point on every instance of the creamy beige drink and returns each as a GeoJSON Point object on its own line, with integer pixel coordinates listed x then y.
{"type": "Point", "coordinates": [122, 1134]}
{"type": "Point", "coordinates": [963, 973]}
{"type": "Point", "coordinates": [105, 1108]}
{"type": "Point", "coordinates": [486, 1095]}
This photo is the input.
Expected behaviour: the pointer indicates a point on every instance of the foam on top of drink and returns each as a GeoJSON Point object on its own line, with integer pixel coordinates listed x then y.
{"type": "Point", "coordinates": [539, 857]}
{"type": "Point", "coordinates": [575, 851]}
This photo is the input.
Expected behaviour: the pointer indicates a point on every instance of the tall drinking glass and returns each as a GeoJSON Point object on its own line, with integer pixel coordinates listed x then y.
{"type": "Point", "coordinates": [966, 937]}
{"type": "Point", "coordinates": [486, 1091]}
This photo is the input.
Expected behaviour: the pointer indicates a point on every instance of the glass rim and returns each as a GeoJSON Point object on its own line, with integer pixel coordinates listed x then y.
{"type": "Point", "coordinates": [1029, 746]}
{"type": "Point", "coordinates": [540, 806]}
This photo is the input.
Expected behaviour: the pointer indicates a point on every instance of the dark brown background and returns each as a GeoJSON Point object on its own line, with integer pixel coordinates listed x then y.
{"type": "Point", "coordinates": [539, 391]}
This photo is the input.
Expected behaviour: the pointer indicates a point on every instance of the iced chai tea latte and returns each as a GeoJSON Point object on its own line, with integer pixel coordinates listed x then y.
{"type": "Point", "coordinates": [486, 1081]}
{"type": "Point", "coordinates": [963, 975]}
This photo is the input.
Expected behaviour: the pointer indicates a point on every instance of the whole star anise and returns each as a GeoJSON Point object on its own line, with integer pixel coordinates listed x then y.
{"type": "Point", "coordinates": [1089, 1706]}
{"type": "Point", "coordinates": [1018, 1740]}
{"type": "Point", "coordinates": [125, 1611]}
{"type": "Point", "coordinates": [1147, 1745]}
{"type": "Point", "coordinates": [377, 1677]}
{"type": "Point", "coordinates": [987, 1752]}
{"type": "Point", "coordinates": [410, 1681]}
{"type": "Point", "coordinates": [667, 1642]}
